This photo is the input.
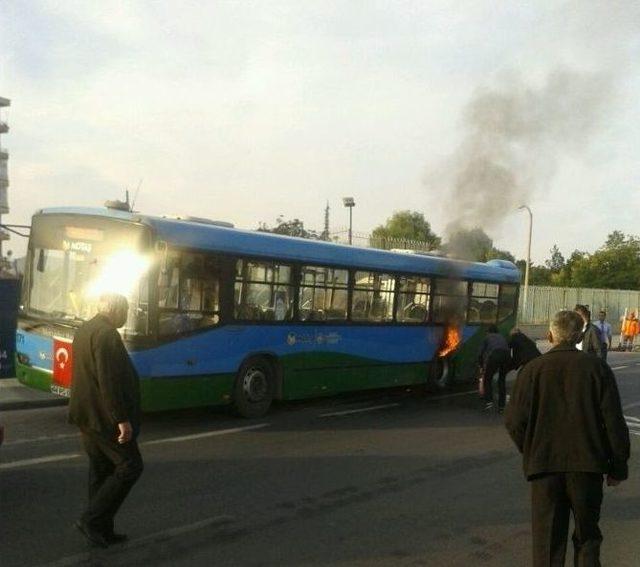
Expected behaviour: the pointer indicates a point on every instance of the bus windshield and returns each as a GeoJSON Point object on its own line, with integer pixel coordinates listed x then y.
{"type": "Point", "coordinates": [75, 259]}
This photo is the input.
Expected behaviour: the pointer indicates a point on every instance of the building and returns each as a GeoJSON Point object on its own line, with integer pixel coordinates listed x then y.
{"type": "Point", "coordinates": [4, 175]}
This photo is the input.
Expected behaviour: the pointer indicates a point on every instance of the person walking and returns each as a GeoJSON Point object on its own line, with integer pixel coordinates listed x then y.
{"type": "Point", "coordinates": [105, 405]}
{"type": "Point", "coordinates": [591, 341]}
{"type": "Point", "coordinates": [605, 332]}
{"type": "Point", "coordinates": [566, 419]}
{"type": "Point", "coordinates": [495, 356]}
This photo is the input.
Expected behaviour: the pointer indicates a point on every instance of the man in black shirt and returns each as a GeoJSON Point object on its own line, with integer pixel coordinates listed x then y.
{"type": "Point", "coordinates": [105, 405]}
{"type": "Point", "coordinates": [566, 419]}
{"type": "Point", "coordinates": [523, 349]}
{"type": "Point", "coordinates": [495, 357]}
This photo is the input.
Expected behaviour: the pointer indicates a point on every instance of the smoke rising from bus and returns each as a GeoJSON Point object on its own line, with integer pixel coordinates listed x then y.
{"type": "Point", "coordinates": [517, 128]}
{"type": "Point", "coordinates": [514, 136]}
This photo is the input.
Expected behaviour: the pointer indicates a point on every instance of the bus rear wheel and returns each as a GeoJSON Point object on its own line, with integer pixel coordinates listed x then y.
{"type": "Point", "coordinates": [253, 389]}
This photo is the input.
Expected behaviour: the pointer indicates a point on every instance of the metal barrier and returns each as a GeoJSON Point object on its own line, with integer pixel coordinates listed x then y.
{"type": "Point", "coordinates": [544, 301]}
{"type": "Point", "coordinates": [9, 293]}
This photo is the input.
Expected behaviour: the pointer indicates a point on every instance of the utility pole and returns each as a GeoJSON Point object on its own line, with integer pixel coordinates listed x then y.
{"type": "Point", "coordinates": [325, 234]}
{"type": "Point", "coordinates": [526, 270]}
{"type": "Point", "coordinates": [350, 202]}
{"type": "Point", "coordinates": [4, 178]}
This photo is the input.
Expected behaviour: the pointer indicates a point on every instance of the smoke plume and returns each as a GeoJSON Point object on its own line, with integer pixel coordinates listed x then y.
{"type": "Point", "coordinates": [514, 135]}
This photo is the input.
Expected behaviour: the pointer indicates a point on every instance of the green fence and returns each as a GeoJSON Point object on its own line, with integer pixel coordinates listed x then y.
{"type": "Point", "coordinates": [544, 301]}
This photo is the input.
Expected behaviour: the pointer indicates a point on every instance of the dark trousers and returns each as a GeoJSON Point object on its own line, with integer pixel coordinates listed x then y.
{"type": "Point", "coordinates": [113, 470]}
{"type": "Point", "coordinates": [497, 361]}
{"type": "Point", "coordinates": [553, 497]}
{"type": "Point", "coordinates": [605, 348]}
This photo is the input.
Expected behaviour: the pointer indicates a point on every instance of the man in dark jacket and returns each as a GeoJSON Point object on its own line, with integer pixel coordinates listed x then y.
{"type": "Point", "coordinates": [566, 418]}
{"type": "Point", "coordinates": [495, 357]}
{"type": "Point", "coordinates": [591, 342]}
{"type": "Point", "coordinates": [105, 405]}
{"type": "Point", "coordinates": [523, 349]}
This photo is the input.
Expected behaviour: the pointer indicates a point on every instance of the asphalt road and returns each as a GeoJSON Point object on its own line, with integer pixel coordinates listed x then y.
{"type": "Point", "coordinates": [392, 478]}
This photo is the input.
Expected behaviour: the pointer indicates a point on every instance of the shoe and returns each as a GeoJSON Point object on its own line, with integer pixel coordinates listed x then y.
{"type": "Point", "coordinates": [93, 537]}
{"type": "Point", "coordinates": [116, 538]}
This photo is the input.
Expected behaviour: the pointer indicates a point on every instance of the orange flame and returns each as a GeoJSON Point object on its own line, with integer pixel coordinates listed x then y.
{"type": "Point", "coordinates": [450, 340]}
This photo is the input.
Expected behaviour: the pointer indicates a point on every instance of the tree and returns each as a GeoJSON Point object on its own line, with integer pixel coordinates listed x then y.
{"type": "Point", "coordinates": [565, 276]}
{"type": "Point", "coordinates": [557, 261]}
{"type": "Point", "coordinates": [404, 225]}
{"type": "Point", "coordinates": [615, 240]}
{"type": "Point", "coordinates": [613, 266]}
{"type": "Point", "coordinates": [538, 275]}
{"type": "Point", "coordinates": [294, 227]}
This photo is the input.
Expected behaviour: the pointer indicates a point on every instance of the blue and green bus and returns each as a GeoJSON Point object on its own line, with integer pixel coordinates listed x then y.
{"type": "Point", "coordinates": [220, 315]}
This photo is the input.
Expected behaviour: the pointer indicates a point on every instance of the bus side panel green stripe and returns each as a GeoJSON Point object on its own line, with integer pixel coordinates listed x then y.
{"type": "Point", "coordinates": [324, 373]}
{"type": "Point", "coordinates": [185, 392]}
{"type": "Point", "coordinates": [156, 393]}
{"type": "Point", "coordinates": [33, 377]}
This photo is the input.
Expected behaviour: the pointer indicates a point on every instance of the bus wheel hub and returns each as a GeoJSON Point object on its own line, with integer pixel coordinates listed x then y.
{"type": "Point", "coordinates": [254, 385]}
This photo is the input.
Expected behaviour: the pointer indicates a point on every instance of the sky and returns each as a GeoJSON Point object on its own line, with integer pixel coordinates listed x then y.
{"type": "Point", "coordinates": [245, 110]}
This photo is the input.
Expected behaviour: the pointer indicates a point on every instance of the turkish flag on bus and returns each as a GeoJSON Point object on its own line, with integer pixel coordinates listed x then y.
{"type": "Point", "coordinates": [62, 362]}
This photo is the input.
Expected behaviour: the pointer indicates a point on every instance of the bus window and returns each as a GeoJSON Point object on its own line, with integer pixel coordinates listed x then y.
{"type": "Point", "coordinates": [508, 299]}
{"type": "Point", "coordinates": [449, 301]}
{"type": "Point", "coordinates": [188, 293]}
{"type": "Point", "coordinates": [73, 260]}
{"type": "Point", "coordinates": [483, 303]}
{"type": "Point", "coordinates": [323, 294]}
{"type": "Point", "coordinates": [263, 292]}
{"type": "Point", "coordinates": [413, 299]}
{"type": "Point", "coordinates": [372, 297]}
{"type": "Point", "coordinates": [168, 282]}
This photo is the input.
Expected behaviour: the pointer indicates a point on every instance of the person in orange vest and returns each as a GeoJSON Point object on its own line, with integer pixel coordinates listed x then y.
{"type": "Point", "coordinates": [630, 328]}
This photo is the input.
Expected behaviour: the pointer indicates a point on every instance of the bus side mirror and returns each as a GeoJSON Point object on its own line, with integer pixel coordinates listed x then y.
{"type": "Point", "coordinates": [163, 250]}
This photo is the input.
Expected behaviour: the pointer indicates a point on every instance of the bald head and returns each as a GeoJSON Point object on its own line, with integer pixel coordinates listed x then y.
{"type": "Point", "coordinates": [114, 307]}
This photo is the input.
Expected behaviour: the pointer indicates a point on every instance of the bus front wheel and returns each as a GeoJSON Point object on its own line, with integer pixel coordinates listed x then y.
{"type": "Point", "coordinates": [253, 389]}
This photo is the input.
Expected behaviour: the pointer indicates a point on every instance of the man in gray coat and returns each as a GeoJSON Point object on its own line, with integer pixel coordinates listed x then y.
{"type": "Point", "coordinates": [566, 419]}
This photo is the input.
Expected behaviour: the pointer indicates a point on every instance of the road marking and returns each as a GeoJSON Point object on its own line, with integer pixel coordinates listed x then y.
{"type": "Point", "coordinates": [205, 434]}
{"type": "Point", "coordinates": [635, 433]}
{"type": "Point", "coordinates": [39, 461]}
{"type": "Point", "coordinates": [68, 456]}
{"type": "Point", "coordinates": [88, 556]}
{"type": "Point", "coordinates": [619, 367]}
{"type": "Point", "coordinates": [632, 405]}
{"type": "Point", "coordinates": [633, 424]}
{"type": "Point", "coordinates": [630, 417]}
{"type": "Point", "coordinates": [361, 410]}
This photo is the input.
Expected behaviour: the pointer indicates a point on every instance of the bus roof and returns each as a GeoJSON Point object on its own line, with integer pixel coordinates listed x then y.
{"type": "Point", "coordinates": [197, 235]}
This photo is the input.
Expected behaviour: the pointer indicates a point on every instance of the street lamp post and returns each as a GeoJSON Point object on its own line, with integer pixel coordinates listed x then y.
{"type": "Point", "coordinates": [350, 203]}
{"type": "Point", "coordinates": [526, 270]}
